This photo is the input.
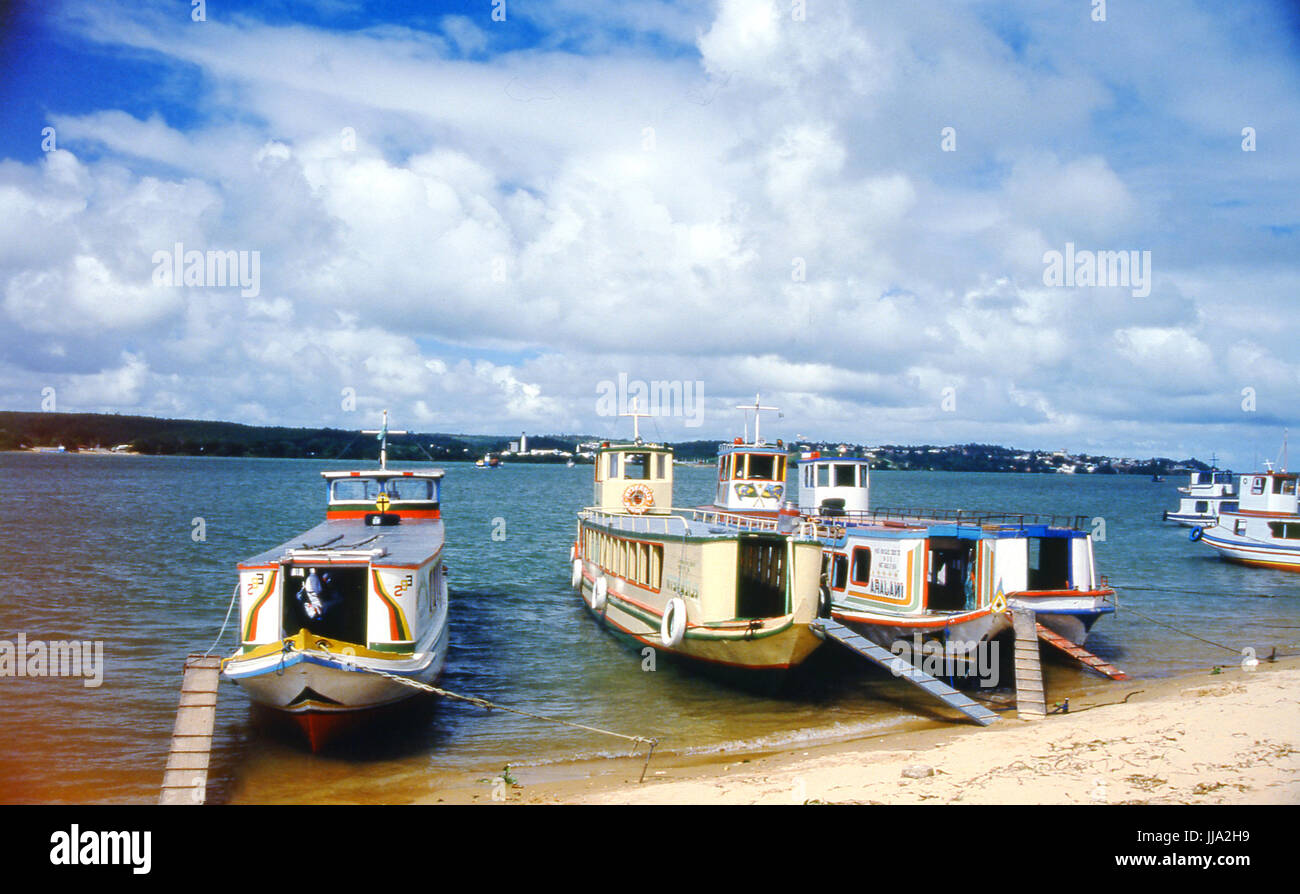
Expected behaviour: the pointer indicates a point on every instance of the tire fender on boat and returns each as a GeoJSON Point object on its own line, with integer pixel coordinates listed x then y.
{"type": "Point", "coordinates": [577, 573]}
{"type": "Point", "coordinates": [672, 629]}
{"type": "Point", "coordinates": [824, 601]}
{"type": "Point", "coordinates": [598, 593]}
{"type": "Point", "coordinates": [1195, 535]}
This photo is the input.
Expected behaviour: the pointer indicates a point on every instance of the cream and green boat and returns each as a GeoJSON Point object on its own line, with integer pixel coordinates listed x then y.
{"type": "Point", "coordinates": [724, 589]}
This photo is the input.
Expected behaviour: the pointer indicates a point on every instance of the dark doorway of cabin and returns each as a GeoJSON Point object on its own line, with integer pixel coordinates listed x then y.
{"type": "Point", "coordinates": [952, 570]}
{"type": "Point", "coordinates": [760, 578]}
{"type": "Point", "coordinates": [343, 598]}
{"type": "Point", "coordinates": [1049, 563]}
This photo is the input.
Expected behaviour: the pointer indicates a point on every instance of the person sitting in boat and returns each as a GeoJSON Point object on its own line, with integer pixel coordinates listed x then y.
{"type": "Point", "coordinates": [315, 595]}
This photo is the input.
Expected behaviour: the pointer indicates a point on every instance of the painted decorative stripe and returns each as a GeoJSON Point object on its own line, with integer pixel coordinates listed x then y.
{"type": "Point", "coordinates": [251, 627]}
{"type": "Point", "coordinates": [398, 629]}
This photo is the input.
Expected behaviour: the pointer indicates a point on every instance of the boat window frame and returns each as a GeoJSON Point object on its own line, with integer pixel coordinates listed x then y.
{"type": "Point", "coordinates": [839, 571]}
{"type": "Point", "coordinates": [858, 552]}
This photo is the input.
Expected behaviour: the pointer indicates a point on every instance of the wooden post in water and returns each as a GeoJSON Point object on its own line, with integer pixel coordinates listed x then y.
{"type": "Point", "coordinates": [1031, 698]}
{"type": "Point", "coordinates": [185, 780]}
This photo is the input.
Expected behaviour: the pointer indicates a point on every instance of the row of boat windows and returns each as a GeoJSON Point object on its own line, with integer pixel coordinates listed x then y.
{"type": "Point", "coordinates": [1285, 530]}
{"type": "Point", "coordinates": [1284, 486]}
{"type": "Point", "coordinates": [636, 466]}
{"type": "Point", "coordinates": [834, 475]}
{"type": "Point", "coordinates": [751, 467]}
{"type": "Point", "coordinates": [859, 572]}
{"type": "Point", "coordinates": [1212, 478]}
{"type": "Point", "coordinates": [353, 490]}
{"type": "Point", "coordinates": [1204, 506]}
{"type": "Point", "coordinates": [641, 563]}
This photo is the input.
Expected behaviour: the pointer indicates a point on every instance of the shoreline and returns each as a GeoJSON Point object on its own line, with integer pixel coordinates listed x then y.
{"type": "Point", "coordinates": [1200, 738]}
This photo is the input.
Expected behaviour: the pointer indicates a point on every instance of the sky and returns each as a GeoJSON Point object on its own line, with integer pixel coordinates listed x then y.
{"type": "Point", "coordinates": [484, 215]}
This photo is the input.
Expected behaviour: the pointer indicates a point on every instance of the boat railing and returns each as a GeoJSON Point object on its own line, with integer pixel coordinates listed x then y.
{"type": "Point", "coordinates": [734, 520]}
{"type": "Point", "coordinates": [636, 524]}
{"type": "Point", "coordinates": [925, 516]}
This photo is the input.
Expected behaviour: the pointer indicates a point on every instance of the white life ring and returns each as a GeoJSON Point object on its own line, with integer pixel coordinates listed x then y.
{"type": "Point", "coordinates": [598, 593]}
{"type": "Point", "coordinates": [672, 629]}
{"type": "Point", "coordinates": [577, 572]}
{"type": "Point", "coordinates": [638, 498]}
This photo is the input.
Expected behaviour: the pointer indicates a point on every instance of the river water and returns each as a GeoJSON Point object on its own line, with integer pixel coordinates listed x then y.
{"type": "Point", "coordinates": [104, 548]}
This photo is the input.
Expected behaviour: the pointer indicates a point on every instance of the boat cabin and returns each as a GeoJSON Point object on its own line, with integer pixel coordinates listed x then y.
{"type": "Point", "coordinates": [833, 485]}
{"type": "Point", "coordinates": [1271, 493]}
{"type": "Point", "coordinates": [383, 497]}
{"type": "Point", "coordinates": [635, 478]}
{"type": "Point", "coordinates": [1213, 483]}
{"type": "Point", "coordinates": [751, 477]}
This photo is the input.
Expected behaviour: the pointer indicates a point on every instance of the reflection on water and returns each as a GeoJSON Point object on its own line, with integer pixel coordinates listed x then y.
{"type": "Point", "coordinates": [102, 548]}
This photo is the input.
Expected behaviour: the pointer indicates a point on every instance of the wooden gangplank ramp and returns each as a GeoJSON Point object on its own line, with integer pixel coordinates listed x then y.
{"type": "Point", "coordinates": [1080, 654]}
{"type": "Point", "coordinates": [185, 780]}
{"type": "Point", "coordinates": [905, 670]}
{"type": "Point", "coordinates": [1031, 696]}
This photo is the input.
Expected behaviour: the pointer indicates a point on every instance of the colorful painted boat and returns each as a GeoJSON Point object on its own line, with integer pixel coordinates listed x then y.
{"type": "Point", "coordinates": [723, 589]}
{"type": "Point", "coordinates": [1207, 494]}
{"type": "Point", "coordinates": [1264, 528]}
{"type": "Point", "coordinates": [901, 574]}
{"type": "Point", "coordinates": [335, 618]}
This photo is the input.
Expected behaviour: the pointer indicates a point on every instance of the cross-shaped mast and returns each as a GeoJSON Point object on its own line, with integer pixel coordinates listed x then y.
{"type": "Point", "coordinates": [636, 421]}
{"type": "Point", "coordinates": [756, 408]}
{"type": "Point", "coordinates": [383, 433]}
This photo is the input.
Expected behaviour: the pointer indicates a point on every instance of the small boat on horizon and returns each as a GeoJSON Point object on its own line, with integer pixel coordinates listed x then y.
{"type": "Point", "coordinates": [332, 621]}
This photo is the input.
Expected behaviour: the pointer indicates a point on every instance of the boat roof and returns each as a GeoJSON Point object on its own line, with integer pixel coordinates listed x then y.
{"type": "Point", "coordinates": [739, 446]}
{"type": "Point", "coordinates": [346, 540]}
{"type": "Point", "coordinates": [644, 446]}
{"type": "Point", "coordinates": [385, 473]}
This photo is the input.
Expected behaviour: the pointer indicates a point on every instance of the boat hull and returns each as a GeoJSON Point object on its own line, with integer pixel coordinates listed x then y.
{"type": "Point", "coordinates": [327, 692]}
{"type": "Point", "coordinates": [1251, 552]}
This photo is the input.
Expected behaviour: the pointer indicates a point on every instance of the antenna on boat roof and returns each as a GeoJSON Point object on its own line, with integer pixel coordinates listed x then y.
{"type": "Point", "coordinates": [757, 407]}
{"type": "Point", "coordinates": [383, 433]}
{"type": "Point", "coordinates": [636, 421]}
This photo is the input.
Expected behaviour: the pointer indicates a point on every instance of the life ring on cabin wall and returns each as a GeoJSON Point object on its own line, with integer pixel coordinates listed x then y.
{"type": "Point", "coordinates": [638, 498]}
{"type": "Point", "coordinates": [599, 590]}
{"type": "Point", "coordinates": [577, 573]}
{"type": "Point", "coordinates": [672, 629]}
{"type": "Point", "coordinates": [1195, 535]}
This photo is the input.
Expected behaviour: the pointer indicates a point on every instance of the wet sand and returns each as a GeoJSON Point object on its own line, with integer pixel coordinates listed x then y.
{"type": "Point", "coordinates": [1226, 738]}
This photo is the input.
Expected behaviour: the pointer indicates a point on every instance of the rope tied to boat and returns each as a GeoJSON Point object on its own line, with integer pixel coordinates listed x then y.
{"type": "Point", "coordinates": [636, 741]}
{"type": "Point", "coordinates": [222, 632]}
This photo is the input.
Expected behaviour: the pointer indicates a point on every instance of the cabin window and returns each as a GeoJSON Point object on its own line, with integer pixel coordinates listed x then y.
{"type": "Point", "coordinates": [1257, 485]}
{"type": "Point", "coordinates": [636, 466]}
{"type": "Point", "coordinates": [861, 565]}
{"type": "Point", "coordinates": [839, 572]}
{"type": "Point", "coordinates": [845, 475]}
{"type": "Point", "coordinates": [824, 475]}
{"type": "Point", "coordinates": [1202, 506]}
{"type": "Point", "coordinates": [659, 465]}
{"type": "Point", "coordinates": [1285, 486]}
{"type": "Point", "coordinates": [613, 465]}
{"type": "Point", "coordinates": [1049, 563]}
{"type": "Point", "coordinates": [1285, 530]}
{"type": "Point", "coordinates": [762, 467]}
{"type": "Point", "coordinates": [1239, 528]}
{"type": "Point", "coordinates": [410, 488]}
{"type": "Point", "coordinates": [952, 575]}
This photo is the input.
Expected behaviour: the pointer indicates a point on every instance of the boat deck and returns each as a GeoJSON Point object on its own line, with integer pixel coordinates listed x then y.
{"type": "Point", "coordinates": [351, 540]}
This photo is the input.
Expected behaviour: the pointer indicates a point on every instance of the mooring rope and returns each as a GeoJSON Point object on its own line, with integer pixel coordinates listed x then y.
{"type": "Point", "coordinates": [1129, 608]}
{"type": "Point", "coordinates": [490, 706]}
{"type": "Point", "coordinates": [229, 609]}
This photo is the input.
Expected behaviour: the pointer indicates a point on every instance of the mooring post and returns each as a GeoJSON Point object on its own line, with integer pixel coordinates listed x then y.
{"type": "Point", "coordinates": [185, 780]}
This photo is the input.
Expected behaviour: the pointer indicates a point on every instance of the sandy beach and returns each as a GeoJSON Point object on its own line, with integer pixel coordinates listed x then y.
{"type": "Point", "coordinates": [1210, 738]}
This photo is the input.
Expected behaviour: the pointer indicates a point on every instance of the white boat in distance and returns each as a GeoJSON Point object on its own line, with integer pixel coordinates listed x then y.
{"type": "Point", "coordinates": [1207, 494]}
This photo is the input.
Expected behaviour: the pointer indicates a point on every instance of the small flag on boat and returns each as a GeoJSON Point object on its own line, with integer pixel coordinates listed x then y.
{"type": "Point", "coordinates": [999, 600]}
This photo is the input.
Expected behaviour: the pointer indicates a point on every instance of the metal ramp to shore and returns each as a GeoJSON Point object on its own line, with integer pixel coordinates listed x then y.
{"type": "Point", "coordinates": [1031, 696]}
{"type": "Point", "coordinates": [905, 670]}
{"type": "Point", "coordinates": [186, 777]}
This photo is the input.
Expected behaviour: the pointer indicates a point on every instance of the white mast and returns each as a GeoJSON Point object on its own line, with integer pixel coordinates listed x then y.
{"type": "Point", "coordinates": [636, 421]}
{"type": "Point", "coordinates": [383, 433]}
{"type": "Point", "coordinates": [756, 408]}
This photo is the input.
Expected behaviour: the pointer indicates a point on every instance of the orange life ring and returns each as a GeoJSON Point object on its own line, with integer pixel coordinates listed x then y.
{"type": "Point", "coordinates": [638, 498]}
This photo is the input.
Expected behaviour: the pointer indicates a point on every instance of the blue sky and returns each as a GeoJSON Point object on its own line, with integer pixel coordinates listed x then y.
{"type": "Point", "coordinates": [845, 206]}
